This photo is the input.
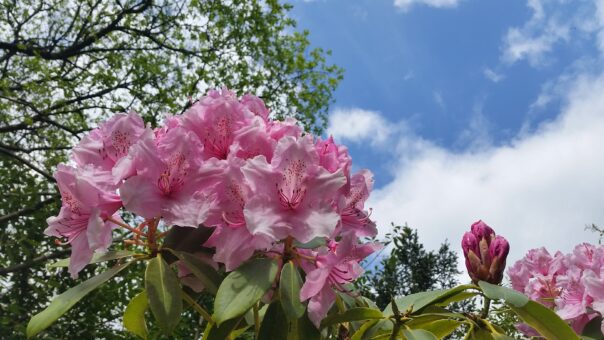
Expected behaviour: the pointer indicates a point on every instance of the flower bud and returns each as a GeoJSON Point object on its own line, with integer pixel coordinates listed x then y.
{"type": "Point", "coordinates": [485, 253]}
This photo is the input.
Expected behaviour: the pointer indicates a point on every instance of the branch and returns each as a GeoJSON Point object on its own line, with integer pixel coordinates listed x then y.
{"type": "Point", "coordinates": [35, 261]}
{"type": "Point", "coordinates": [28, 164]}
{"type": "Point", "coordinates": [27, 210]}
{"type": "Point", "coordinates": [38, 260]}
{"type": "Point", "coordinates": [77, 47]}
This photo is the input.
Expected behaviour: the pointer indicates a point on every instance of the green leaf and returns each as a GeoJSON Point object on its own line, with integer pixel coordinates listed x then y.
{"type": "Point", "coordinates": [216, 332]}
{"type": "Point", "coordinates": [314, 243]}
{"type": "Point", "coordinates": [544, 321]}
{"type": "Point", "coordinates": [441, 328]}
{"type": "Point", "coordinates": [110, 255]}
{"type": "Point", "coordinates": [497, 292]}
{"type": "Point", "coordinates": [275, 324]}
{"type": "Point", "coordinates": [164, 292]}
{"type": "Point", "coordinates": [289, 291]}
{"type": "Point", "coordinates": [208, 276]}
{"type": "Point", "coordinates": [134, 315]}
{"type": "Point", "coordinates": [456, 298]}
{"type": "Point", "coordinates": [418, 334]}
{"type": "Point", "coordinates": [66, 300]}
{"type": "Point", "coordinates": [416, 302]}
{"type": "Point", "coordinates": [358, 335]}
{"type": "Point", "coordinates": [303, 329]}
{"type": "Point", "coordinates": [242, 288]}
{"type": "Point", "coordinates": [592, 330]}
{"type": "Point", "coordinates": [477, 333]}
{"type": "Point", "coordinates": [353, 314]}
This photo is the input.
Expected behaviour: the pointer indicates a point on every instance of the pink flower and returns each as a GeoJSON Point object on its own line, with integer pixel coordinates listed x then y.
{"type": "Point", "coordinates": [253, 140]}
{"type": "Point", "coordinates": [110, 142]}
{"type": "Point", "coordinates": [255, 105]}
{"type": "Point", "coordinates": [485, 253]}
{"type": "Point", "coordinates": [293, 195]}
{"type": "Point", "coordinates": [333, 268]}
{"type": "Point", "coordinates": [279, 129]}
{"type": "Point", "coordinates": [215, 120]}
{"type": "Point", "coordinates": [168, 178]}
{"type": "Point", "coordinates": [88, 198]}
{"type": "Point", "coordinates": [333, 157]}
{"type": "Point", "coordinates": [233, 242]}
{"type": "Point", "coordinates": [354, 217]}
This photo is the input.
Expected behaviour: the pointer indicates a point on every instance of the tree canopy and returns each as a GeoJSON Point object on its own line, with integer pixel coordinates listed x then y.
{"type": "Point", "coordinates": [66, 64]}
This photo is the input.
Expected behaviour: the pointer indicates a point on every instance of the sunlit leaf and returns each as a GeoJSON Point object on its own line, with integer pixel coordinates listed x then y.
{"type": "Point", "coordinates": [96, 258]}
{"type": "Point", "coordinates": [134, 315]}
{"type": "Point", "coordinates": [66, 300]}
{"type": "Point", "coordinates": [242, 288]}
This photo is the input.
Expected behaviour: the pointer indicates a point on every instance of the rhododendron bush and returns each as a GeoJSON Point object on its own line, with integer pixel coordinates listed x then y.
{"type": "Point", "coordinates": [267, 218]}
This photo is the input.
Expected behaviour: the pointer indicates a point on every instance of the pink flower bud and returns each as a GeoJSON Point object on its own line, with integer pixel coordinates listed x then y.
{"type": "Point", "coordinates": [485, 253]}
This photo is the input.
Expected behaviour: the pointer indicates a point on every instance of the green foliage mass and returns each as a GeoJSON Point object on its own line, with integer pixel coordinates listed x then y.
{"type": "Point", "coordinates": [65, 65]}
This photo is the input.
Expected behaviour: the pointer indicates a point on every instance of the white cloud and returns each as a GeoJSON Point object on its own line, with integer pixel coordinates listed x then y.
{"type": "Point", "coordinates": [358, 125]}
{"type": "Point", "coordinates": [553, 23]}
{"type": "Point", "coordinates": [438, 98]}
{"type": "Point", "coordinates": [539, 190]}
{"type": "Point", "coordinates": [406, 5]}
{"type": "Point", "coordinates": [492, 75]}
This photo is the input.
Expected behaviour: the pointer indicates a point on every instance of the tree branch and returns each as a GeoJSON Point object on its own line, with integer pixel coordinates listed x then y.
{"type": "Point", "coordinates": [27, 210]}
{"type": "Point", "coordinates": [28, 164]}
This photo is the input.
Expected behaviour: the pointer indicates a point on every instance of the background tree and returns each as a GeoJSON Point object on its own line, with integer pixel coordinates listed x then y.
{"type": "Point", "coordinates": [409, 268]}
{"type": "Point", "coordinates": [66, 64]}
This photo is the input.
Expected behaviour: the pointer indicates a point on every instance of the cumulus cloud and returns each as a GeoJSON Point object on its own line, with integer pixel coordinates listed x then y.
{"type": "Point", "coordinates": [406, 5]}
{"type": "Point", "coordinates": [553, 23]}
{"type": "Point", "coordinates": [358, 126]}
{"type": "Point", "coordinates": [541, 189]}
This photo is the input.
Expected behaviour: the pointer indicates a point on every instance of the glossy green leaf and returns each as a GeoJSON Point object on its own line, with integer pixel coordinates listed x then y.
{"type": "Point", "coordinates": [96, 258]}
{"type": "Point", "coordinates": [441, 328]}
{"type": "Point", "coordinates": [216, 332]}
{"type": "Point", "coordinates": [544, 321]}
{"type": "Point", "coordinates": [66, 300]}
{"type": "Point", "coordinates": [208, 276]}
{"type": "Point", "coordinates": [358, 335]}
{"type": "Point", "coordinates": [164, 293]}
{"type": "Point", "coordinates": [456, 298]}
{"type": "Point", "coordinates": [418, 334]}
{"type": "Point", "coordinates": [134, 315]}
{"type": "Point", "coordinates": [242, 288]}
{"type": "Point", "coordinates": [497, 292]}
{"type": "Point", "coordinates": [275, 323]}
{"type": "Point", "coordinates": [289, 291]}
{"type": "Point", "coordinates": [353, 314]}
{"type": "Point", "coordinates": [416, 302]}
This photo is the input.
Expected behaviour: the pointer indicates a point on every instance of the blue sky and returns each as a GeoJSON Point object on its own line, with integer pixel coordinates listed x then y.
{"type": "Point", "coordinates": [472, 109]}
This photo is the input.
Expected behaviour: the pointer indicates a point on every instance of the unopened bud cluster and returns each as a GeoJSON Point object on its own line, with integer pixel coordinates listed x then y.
{"type": "Point", "coordinates": [485, 253]}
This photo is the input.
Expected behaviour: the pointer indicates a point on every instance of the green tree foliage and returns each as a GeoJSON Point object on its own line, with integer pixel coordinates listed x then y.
{"type": "Point", "coordinates": [64, 65]}
{"type": "Point", "coordinates": [410, 268]}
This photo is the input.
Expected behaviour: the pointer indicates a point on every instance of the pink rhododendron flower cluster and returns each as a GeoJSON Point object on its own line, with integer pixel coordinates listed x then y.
{"type": "Point", "coordinates": [571, 284]}
{"type": "Point", "coordinates": [261, 184]}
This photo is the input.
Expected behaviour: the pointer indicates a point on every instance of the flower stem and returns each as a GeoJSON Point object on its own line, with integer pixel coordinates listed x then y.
{"type": "Point", "coordinates": [124, 225]}
{"type": "Point", "coordinates": [204, 314]}
{"type": "Point", "coordinates": [485, 308]}
{"type": "Point", "coordinates": [256, 320]}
